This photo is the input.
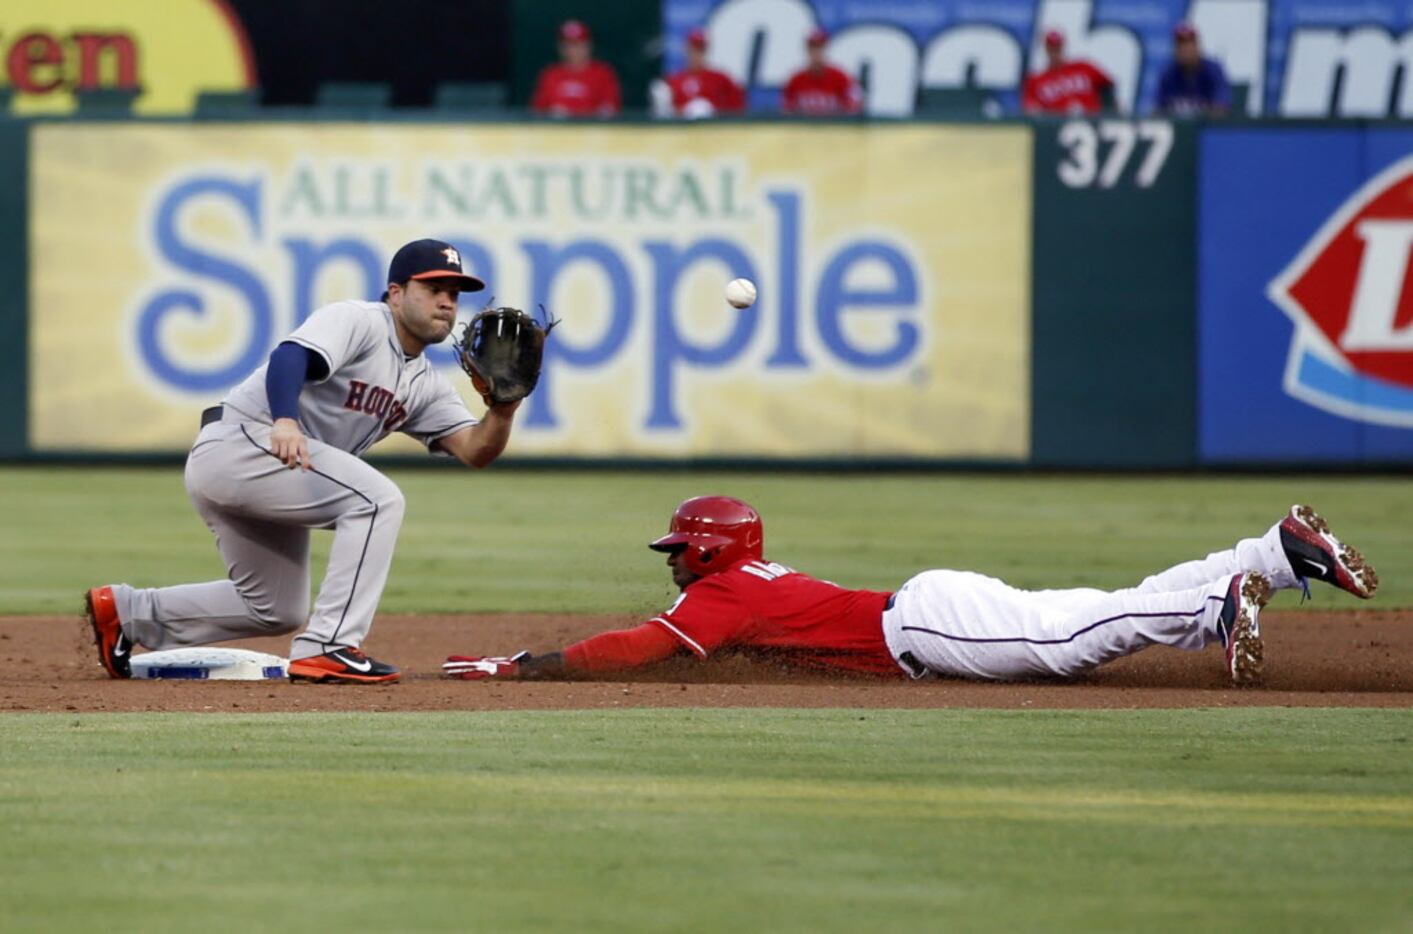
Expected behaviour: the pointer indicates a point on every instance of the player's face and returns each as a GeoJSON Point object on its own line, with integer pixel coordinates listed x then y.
{"type": "Point", "coordinates": [1187, 53]}
{"type": "Point", "coordinates": [677, 560]}
{"type": "Point", "coordinates": [425, 308]}
{"type": "Point", "coordinates": [696, 58]}
{"type": "Point", "coordinates": [816, 56]}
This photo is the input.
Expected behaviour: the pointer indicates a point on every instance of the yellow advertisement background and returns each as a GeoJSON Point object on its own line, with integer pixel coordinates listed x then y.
{"type": "Point", "coordinates": [183, 47]}
{"type": "Point", "coordinates": [957, 199]}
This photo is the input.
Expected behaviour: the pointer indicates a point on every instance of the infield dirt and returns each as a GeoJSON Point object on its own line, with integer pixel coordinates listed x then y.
{"type": "Point", "coordinates": [1352, 659]}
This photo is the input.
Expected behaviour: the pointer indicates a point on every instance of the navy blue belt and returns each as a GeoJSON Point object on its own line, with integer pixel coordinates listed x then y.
{"type": "Point", "coordinates": [210, 415]}
{"type": "Point", "coordinates": [910, 661]}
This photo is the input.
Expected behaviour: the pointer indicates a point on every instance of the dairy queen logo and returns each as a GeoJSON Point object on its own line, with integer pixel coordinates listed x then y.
{"type": "Point", "coordinates": [1349, 295]}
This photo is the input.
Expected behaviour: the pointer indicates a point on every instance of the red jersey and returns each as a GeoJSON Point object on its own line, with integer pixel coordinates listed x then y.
{"type": "Point", "coordinates": [760, 604]}
{"type": "Point", "coordinates": [715, 87]}
{"type": "Point", "coordinates": [820, 93]}
{"type": "Point", "coordinates": [1071, 88]}
{"type": "Point", "coordinates": [591, 91]}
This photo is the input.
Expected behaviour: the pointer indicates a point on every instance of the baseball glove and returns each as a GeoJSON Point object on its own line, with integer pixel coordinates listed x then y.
{"type": "Point", "coordinates": [501, 349]}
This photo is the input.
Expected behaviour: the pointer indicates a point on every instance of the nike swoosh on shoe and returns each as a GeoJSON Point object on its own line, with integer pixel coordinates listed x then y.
{"type": "Point", "coordinates": [355, 665]}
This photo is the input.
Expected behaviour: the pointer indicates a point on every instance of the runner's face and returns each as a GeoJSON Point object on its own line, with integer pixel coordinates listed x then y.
{"type": "Point", "coordinates": [677, 560]}
{"type": "Point", "coordinates": [426, 308]}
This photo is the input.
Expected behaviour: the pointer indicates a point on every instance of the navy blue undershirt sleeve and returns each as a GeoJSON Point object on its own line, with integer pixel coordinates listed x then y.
{"type": "Point", "coordinates": [290, 366]}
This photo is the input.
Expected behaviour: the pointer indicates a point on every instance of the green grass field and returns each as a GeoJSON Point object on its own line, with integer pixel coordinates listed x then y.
{"type": "Point", "coordinates": [711, 820]}
{"type": "Point", "coordinates": [567, 542]}
{"type": "Point", "coordinates": [1237, 819]}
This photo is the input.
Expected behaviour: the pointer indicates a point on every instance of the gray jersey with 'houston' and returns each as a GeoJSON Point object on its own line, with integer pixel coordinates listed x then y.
{"type": "Point", "coordinates": [373, 387]}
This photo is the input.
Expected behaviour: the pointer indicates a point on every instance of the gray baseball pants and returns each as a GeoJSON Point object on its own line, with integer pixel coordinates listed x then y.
{"type": "Point", "coordinates": [261, 512]}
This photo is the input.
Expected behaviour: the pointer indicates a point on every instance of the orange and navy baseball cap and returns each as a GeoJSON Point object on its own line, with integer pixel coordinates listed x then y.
{"type": "Point", "coordinates": [573, 30]}
{"type": "Point", "coordinates": [697, 38]}
{"type": "Point", "coordinates": [431, 259]}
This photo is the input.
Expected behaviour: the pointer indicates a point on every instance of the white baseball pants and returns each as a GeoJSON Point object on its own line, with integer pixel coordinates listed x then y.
{"type": "Point", "coordinates": [961, 624]}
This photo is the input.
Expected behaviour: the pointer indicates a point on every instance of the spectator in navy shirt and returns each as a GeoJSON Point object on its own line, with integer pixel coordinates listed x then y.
{"type": "Point", "coordinates": [1192, 86]}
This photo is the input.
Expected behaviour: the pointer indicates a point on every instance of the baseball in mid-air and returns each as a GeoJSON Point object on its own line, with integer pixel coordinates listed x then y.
{"type": "Point", "coordinates": [741, 293]}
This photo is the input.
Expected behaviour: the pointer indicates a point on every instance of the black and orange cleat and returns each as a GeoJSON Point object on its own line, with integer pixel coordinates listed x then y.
{"type": "Point", "coordinates": [342, 666]}
{"type": "Point", "coordinates": [114, 648]}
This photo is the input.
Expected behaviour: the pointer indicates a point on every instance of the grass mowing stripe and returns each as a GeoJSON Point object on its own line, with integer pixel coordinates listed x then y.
{"type": "Point", "coordinates": [953, 802]}
{"type": "Point", "coordinates": [711, 819]}
{"type": "Point", "coordinates": [70, 529]}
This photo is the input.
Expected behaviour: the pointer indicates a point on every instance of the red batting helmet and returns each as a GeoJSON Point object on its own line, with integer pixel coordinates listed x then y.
{"type": "Point", "coordinates": [715, 532]}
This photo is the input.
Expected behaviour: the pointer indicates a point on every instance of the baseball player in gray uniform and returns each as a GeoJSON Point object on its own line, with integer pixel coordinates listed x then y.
{"type": "Point", "coordinates": [280, 456]}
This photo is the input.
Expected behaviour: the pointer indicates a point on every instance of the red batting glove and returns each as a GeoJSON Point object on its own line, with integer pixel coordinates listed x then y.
{"type": "Point", "coordinates": [479, 668]}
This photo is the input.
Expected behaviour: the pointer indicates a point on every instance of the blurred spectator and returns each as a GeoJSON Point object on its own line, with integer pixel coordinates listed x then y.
{"type": "Point", "coordinates": [1192, 86]}
{"type": "Point", "coordinates": [698, 90]}
{"type": "Point", "coordinates": [1066, 86]}
{"type": "Point", "coordinates": [820, 89]}
{"type": "Point", "coordinates": [577, 86]}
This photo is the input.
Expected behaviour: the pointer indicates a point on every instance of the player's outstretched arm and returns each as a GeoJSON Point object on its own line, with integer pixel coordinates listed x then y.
{"type": "Point", "coordinates": [479, 445]}
{"type": "Point", "coordinates": [606, 653]}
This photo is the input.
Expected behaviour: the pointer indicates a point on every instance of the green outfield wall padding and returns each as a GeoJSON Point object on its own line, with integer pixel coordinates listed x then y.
{"type": "Point", "coordinates": [14, 271]}
{"type": "Point", "coordinates": [1114, 300]}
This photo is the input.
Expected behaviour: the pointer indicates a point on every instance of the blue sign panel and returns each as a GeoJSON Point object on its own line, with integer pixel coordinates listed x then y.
{"type": "Point", "coordinates": [1305, 303]}
{"type": "Point", "coordinates": [1299, 58]}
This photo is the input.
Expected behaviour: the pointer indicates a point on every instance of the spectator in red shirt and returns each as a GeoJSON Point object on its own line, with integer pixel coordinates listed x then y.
{"type": "Point", "coordinates": [578, 86]}
{"type": "Point", "coordinates": [1066, 86]}
{"type": "Point", "coordinates": [820, 89]}
{"type": "Point", "coordinates": [702, 91]}
{"type": "Point", "coordinates": [941, 622]}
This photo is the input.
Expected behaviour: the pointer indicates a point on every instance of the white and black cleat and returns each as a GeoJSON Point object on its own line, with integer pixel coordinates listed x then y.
{"type": "Point", "coordinates": [1315, 554]}
{"type": "Point", "coordinates": [1239, 625]}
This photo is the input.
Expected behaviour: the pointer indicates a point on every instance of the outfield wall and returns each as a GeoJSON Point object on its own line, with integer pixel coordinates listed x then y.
{"type": "Point", "coordinates": [1314, 308]}
{"type": "Point", "coordinates": [1077, 294]}
{"type": "Point", "coordinates": [1290, 58]}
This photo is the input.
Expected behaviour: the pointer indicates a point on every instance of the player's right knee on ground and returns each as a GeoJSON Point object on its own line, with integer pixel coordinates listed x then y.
{"type": "Point", "coordinates": [281, 617]}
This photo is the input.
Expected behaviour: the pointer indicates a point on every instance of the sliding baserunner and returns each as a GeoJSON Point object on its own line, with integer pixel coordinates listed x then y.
{"type": "Point", "coordinates": [943, 623]}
